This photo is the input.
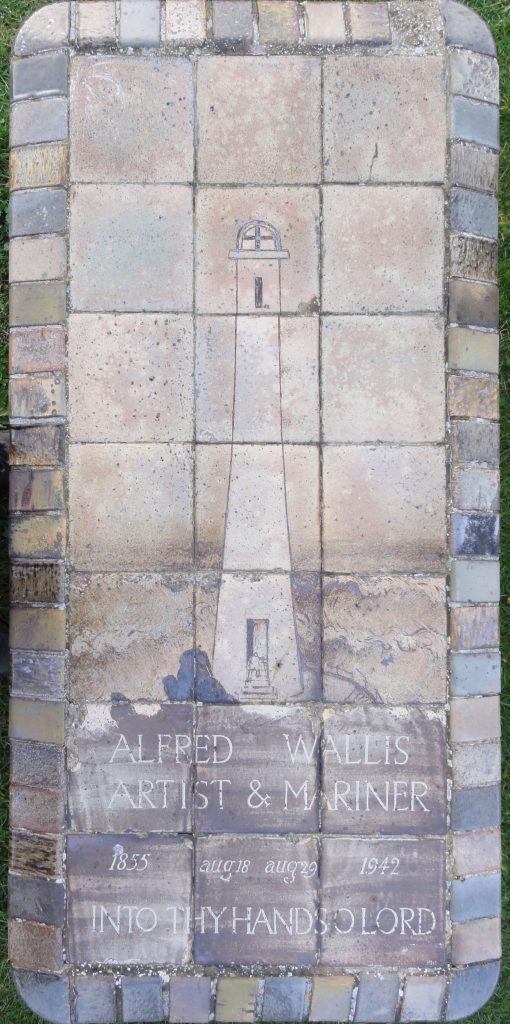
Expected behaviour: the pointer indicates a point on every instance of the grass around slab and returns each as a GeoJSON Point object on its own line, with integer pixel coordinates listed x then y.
{"type": "Point", "coordinates": [497, 14]}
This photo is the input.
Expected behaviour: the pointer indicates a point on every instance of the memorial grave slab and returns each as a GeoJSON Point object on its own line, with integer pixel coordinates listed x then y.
{"type": "Point", "coordinates": [254, 512]}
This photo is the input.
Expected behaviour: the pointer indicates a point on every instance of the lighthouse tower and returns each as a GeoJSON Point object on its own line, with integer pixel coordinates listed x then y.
{"type": "Point", "coordinates": [255, 650]}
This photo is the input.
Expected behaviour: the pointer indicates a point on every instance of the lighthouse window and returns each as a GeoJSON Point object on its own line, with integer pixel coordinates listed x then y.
{"type": "Point", "coordinates": [259, 235]}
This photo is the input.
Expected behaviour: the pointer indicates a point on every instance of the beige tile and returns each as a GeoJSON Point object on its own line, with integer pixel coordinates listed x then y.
{"type": "Point", "coordinates": [38, 397]}
{"type": "Point", "coordinates": [37, 629]}
{"type": "Point", "coordinates": [385, 639]}
{"type": "Point", "coordinates": [476, 852]}
{"type": "Point", "coordinates": [371, 111]}
{"type": "Point", "coordinates": [473, 396]}
{"type": "Point", "coordinates": [370, 23]}
{"type": "Point", "coordinates": [475, 718]}
{"type": "Point", "coordinates": [266, 112]}
{"type": "Point", "coordinates": [185, 21]}
{"type": "Point", "coordinates": [278, 21]}
{"type": "Point", "coordinates": [38, 536]}
{"type": "Point", "coordinates": [112, 265]}
{"type": "Point", "coordinates": [130, 506]}
{"type": "Point", "coordinates": [384, 508]}
{"type": "Point", "coordinates": [36, 349]}
{"type": "Point", "coordinates": [35, 166]}
{"type": "Point", "coordinates": [96, 22]}
{"type": "Point", "coordinates": [477, 940]}
{"type": "Point", "coordinates": [40, 720]}
{"type": "Point", "coordinates": [37, 258]}
{"type": "Point", "coordinates": [127, 632]}
{"type": "Point", "coordinates": [294, 213]}
{"type": "Point", "coordinates": [383, 249]}
{"type": "Point", "coordinates": [130, 377]}
{"type": "Point", "coordinates": [150, 104]}
{"type": "Point", "coordinates": [397, 391]}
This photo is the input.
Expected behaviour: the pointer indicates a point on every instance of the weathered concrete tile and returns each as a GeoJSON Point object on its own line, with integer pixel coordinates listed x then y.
{"type": "Point", "coordinates": [275, 141]}
{"type": "Point", "coordinates": [472, 121]}
{"type": "Point", "coordinates": [153, 142]}
{"type": "Point", "coordinates": [140, 23]}
{"type": "Point", "coordinates": [475, 763]}
{"type": "Point", "coordinates": [37, 212]}
{"type": "Point", "coordinates": [476, 852]}
{"type": "Point", "coordinates": [475, 897]}
{"type": "Point", "coordinates": [127, 634]}
{"type": "Point", "coordinates": [475, 534]}
{"type": "Point", "coordinates": [476, 940]}
{"type": "Point", "coordinates": [397, 501]}
{"type": "Point", "coordinates": [36, 856]}
{"type": "Point", "coordinates": [465, 28]}
{"type": "Point", "coordinates": [324, 23]}
{"type": "Point", "coordinates": [279, 749]}
{"type": "Point", "coordinates": [37, 303]}
{"type": "Point", "coordinates": [221, 213]}
{"type": "Point", "coordinates": [473, 628]}
{"type": "Point", "coordinates": [473, 213]}
{"type": "Point", "coordinates": [473, 350]}
{"type": "Point", "coordinates": [473, 396]}
{"type": "Point", "coordinates": [99, 886]}
{"type": "Point", "coordinates": [382, 249]}
{"type": "Point", "coordinates": [475, 441]}
{"type": "Point", "coordinates": [473, 258]}
{"type": "Point", "coordinates": [142, 1000]}
{"type": "Point", "coordinates": [109, 228]}
{"type": "Point", "coordinates": [96, 22]}
{"type": "Point", "coordinates": [36, 490]}
{"type": "Point", "coordinates": [37, 258]}
{"type": "Point", "coordinates": [370, 23]}
{"type": "Point", "coordinates": [42, 75]}
{"type": "Point", "coordinates": [38, 536]}
{"type": "Point", "coordinates": [232, 20]}
{"type": "Point", "coordinates": [476, 807]}
{"type": "Point", "coordinates": [36, 446]}
{"type": "Point", "coordinates": [331, 999]}
{"type": "Point", "coordinates": [114, 487]}
{"type": "Point", "coordinates": [285, 999]}
{"type": "Point", "coordinates": [475, 674]}
{"type": "Point", "coordinates": [373, 940]}
{"type": "Point", "coordinates": [36, 899]}
{"type": "Point", "coordinates": [474, 580]}
{"type": "Point", "coordinates": [37, 810]}
{"type": "Point", "coordinates": [37, 629]}
{"type": "Point", "coordinates": [37, 583]}
{"type": "Point", "coordinates": [410, 380]}
{"type": "Point", "coordinates": [35, 947]}
{"type": "Point", "coordinates": [46, 29]}
{"type": "Point", "coordinates": [37, 675]}
{"type": "Point", "coordinates": [474, 167]}
{"type": "Point", "coordinates": [36, 349]}
{"type": "Point", "coordinates": [130, 377]}
{"type": "Point", "coordinates": [35, 166]}
{"type": "Point", "coordinates": [190, 1000]}
{"type": "Point", "coordinates": [384, 639]}
{"type": "Point", "coordinates": [476, 718]}
{"type": "Point", "coordinates": [476, 489]}
{"type": "Point", "coordinates": [38, 397]}
{"type": "Point", "coordinates": [185, 21]}
{"type": "Point", "coordinates": [236, 999]}
{"type": "Point", "coordinates": [371, 113]}
{"type": "Point", "coordinates": [423, 997]}
{"type": "Point", "coordinates": [37, 764]}
{"type": "Point", "coordinates": [95, 1000]}
{"type": "Point", "coordinates": [39, 121]}
{"type": "Point", "coordinates": [416, 25]}
{"type": "Point", "coordinates": [474, 304]}
{"type": "Point", "coordinates": [130, 762]}
{"type": "Point", "coordinates": [278, 21]}
{"type": "Point", "coordinates": [367, 790]}
{"type": "Point", "coordinates": [470, 989]}
{"type": "Point", "coordinates": [377, 997]}
{"type": "Point", "coordinates": [42, 721]}
{"type": "Point", "coordinates": [234, 937]}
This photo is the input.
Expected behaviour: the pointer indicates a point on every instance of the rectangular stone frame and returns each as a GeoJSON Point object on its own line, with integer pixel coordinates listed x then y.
{"type": "Point", "coordinates": [39, 177]}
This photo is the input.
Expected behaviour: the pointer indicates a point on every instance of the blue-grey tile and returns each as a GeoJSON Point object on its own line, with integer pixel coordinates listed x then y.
{"type": "Point", "coordinates": [475, 580]}
{"type": "Point", "coordinates": [465, 28]}
{"type": "Point", "coordinates": [38, 211]}
{"type": "Point", "coordinates": [474, 213]}
{"type": "Point", "coordinates": [95, 1000]}
{"type": "Point", "coordinates": [42, 75]}
{"type": "Point", "coordinates": [140, 23]}
{"type": "Point", "coordinates": [377, 998]}
{"type": "Point", "coordinates": [470, 989]}
{"type": "Point", "coordinates": [232, 20]}
{"type": "Point", "coordinates": [47, 995]}
{"type": "Point", "coordinates": [475, 441]}
{"type": "Point", "coordinates": [423, 998]}
{"type": "Point", "coordinates": [142, 1000]}
{"type": "Point", "coordinates": [473, 675]}
{"type": "Point", "coordinates": [472, 121]}
{"type": "Point", "coordinates": [476, 808]}
{"type": "Point", "coordinates": [475, 534]}
{"type": "Point", "coordinates": [43, 120]}
{"type": "Point", "coordinates": [476, 896]}
{"type": "Point", "coordinates": [190, 1000]}
{"type": "Point", "coordinates": [474, 304]}
{"type": "Point", "coordinates": [36, 899]}
{"type": "Point", "coordinates": [285, 999]}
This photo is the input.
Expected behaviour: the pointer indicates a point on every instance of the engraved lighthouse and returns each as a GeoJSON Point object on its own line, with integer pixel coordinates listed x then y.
{"type": "Point", "coordinates": [255, 649]}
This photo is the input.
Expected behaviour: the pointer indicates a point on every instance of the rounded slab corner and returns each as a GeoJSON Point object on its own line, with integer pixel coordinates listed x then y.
{"type": "Point", "coordinates": [471, 988]}
{"type": "Point", "coordinates": [46, 29]}
{"type": "Point", "coordinates": [44, 994]}
{"type": "Point", "coordinates": [467, 29]}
